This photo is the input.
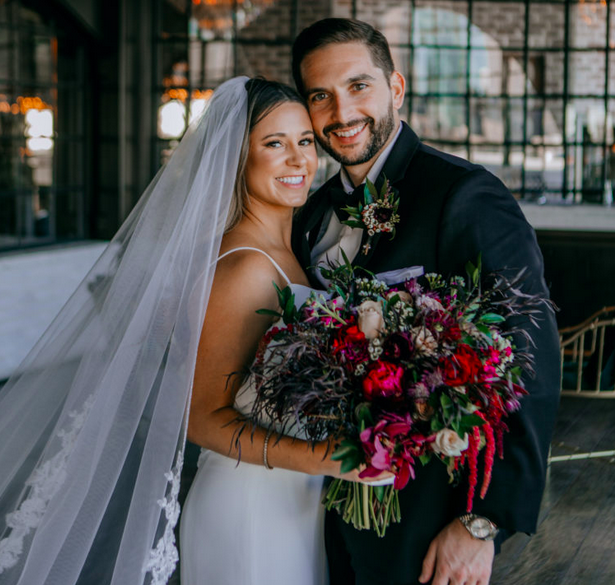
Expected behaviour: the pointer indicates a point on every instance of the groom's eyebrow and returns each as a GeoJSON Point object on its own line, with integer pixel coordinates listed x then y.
{"type": "Point", "coordinates": [349, 81]}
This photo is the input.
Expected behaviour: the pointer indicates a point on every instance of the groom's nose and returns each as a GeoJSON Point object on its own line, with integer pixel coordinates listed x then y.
{"type": "Point", "coordinates": [343, 109]}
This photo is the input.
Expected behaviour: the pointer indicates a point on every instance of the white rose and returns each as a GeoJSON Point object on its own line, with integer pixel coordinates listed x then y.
{"type": "Point", "coordinates": [449, 443]}
{"type": "Point", "coordinates": [423, 340]}
{"type": "Point", "coordinates": [371, 322]}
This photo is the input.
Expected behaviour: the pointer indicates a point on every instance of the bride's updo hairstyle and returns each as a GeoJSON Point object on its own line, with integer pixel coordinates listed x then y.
{"type": "Point", "coordinates": [263, 97]}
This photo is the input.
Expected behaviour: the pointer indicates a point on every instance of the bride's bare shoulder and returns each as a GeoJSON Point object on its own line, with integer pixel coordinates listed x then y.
{"type": "Point", "coordinates": [246, 270]}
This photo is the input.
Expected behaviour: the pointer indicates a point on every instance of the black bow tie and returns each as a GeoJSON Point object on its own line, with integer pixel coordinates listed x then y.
{"type": "Point", "coordinates": [341, 199]}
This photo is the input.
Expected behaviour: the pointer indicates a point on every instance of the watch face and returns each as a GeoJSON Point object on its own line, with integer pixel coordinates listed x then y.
{"type": "Point", "coordinates": [481, 528]}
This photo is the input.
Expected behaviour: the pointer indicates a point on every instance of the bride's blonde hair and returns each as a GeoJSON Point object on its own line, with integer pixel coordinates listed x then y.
{"type": "Point", "coordinates": [263, 97]}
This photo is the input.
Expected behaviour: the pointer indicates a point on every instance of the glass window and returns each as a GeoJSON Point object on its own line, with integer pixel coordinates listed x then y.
{"type": "Point", "coordinates": [42, 145]}
{"type": "Point", "coordinates": [506, 83]}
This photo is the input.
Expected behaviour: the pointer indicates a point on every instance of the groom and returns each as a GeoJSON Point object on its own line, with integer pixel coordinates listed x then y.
{"type": "Point", "coordinates": [450, 212]}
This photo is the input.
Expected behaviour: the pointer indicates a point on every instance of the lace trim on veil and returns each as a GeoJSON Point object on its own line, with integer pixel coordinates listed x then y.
{"type": "Point", "coordinates": [44, 483]}
{"type": "Point", "coordinates": [164, 556]}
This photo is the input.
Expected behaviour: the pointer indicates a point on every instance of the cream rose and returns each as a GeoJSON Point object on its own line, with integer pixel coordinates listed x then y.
{"type": "Point", "coordinates": [404, 297]}
{"type": "Point", "coordinates": [424, 341]}
{"type": "Point", "coordinates": [449, 443]}
{"type": "Point", "coordinates": [429, 303]}
{"type": "Point", "coordinates": [371, 322]}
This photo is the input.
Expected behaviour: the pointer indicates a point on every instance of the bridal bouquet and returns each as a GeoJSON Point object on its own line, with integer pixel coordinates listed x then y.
{"type": "Point", "coordinates": [394, 376]}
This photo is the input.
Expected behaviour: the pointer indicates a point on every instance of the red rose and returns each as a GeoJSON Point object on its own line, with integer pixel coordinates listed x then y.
{"type": "Point", "coordinates": [383, 380]}
{"type": "Point", "coordinates": [351, 336]}
{"type": "Point", "coordinates": [462, 367]}
{"type": "Point", "coordinates": [350, 342]}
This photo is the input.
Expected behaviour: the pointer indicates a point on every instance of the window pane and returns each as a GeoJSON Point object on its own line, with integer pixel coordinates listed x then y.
{"type": "Point", "coordinates": [68, 210]}
{"type": "Point", "coordinates": [340, 9]}
{"type": "Point", "coordinates": [401, 60]}
{"type": "Point", "coordinates": [494, 72]}
{"type": "Point", "coordinates": [588, 25]}
{"type": "Point", "coordinates": [391, 18]}
{"type": "Point", "coordinates": [271, 61]}
{"type": "Point", "coordinates": [440, 22]}
{"type": "Point", "coordinates": [499, 24]}
{"type": "Point", "coordinates": [612, 69]}
{"type": "Point", "coordinates": [545, 121]}
{"type": "Point", "coordinates": [459, 150]}
{"type": "Point", "coordinates": [544, 172]}
{"type": "Point", "coordinates": [547, 24]}
{"type": "Point", "coordinates": [36, 59]}
{"type": "Point", "coordinates": [440, 118]}
{"type": "Point", "coordinates": [505, 163]}
{"type": "Point", "coordinates": [586, 72]}
{"type": "Point", "coordinates": [439, 71]}
{"type": "Point", "coordinates": [585, 123]}
{"type": "Point", "coordinates": [487, 120]}
{"type": "Point", "coordinates": [553, 64]}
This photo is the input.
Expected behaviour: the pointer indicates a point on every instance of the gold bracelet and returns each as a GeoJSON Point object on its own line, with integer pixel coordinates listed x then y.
{"type": "Point", "coordinates": [265, 446]}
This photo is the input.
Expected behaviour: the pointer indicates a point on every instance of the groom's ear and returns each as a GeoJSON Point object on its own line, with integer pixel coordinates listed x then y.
{"type": "Point", "coordinates": [397, 84]}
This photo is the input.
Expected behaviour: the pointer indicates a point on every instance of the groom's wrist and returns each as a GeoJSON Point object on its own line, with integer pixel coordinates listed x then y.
{"type": "Point", "coordinates": [479, 527]}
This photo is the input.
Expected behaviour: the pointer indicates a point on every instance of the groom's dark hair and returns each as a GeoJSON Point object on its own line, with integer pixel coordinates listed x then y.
{"type": "Point", "coordinates": [340, 30]}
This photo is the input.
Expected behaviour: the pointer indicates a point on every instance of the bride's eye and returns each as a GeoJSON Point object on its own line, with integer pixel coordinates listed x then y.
{"type": "Point", "coordinates": [274, 144]}
{"type": "Point", "coordinates": [306, 141]}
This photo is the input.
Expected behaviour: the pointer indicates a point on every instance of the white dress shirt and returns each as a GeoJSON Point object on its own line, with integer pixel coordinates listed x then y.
{"type": "Point", "coordinates": [338, 236]}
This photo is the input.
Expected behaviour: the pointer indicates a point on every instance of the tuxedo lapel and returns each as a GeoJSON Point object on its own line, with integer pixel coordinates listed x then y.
{"type": "Point", "coordinates": [310, 221]}
{"type": "Point", "coordinates": [398, 160]}
{"type": "Point", "coordinates": [394, 171]}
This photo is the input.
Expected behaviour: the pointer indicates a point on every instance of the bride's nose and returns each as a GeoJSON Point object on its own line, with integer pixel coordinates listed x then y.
{"type": "Point", "coordinates": [296, 157]}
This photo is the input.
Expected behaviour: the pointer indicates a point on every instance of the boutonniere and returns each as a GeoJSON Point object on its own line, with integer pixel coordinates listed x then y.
{"type": "Point", "coordinates": [377, 213]}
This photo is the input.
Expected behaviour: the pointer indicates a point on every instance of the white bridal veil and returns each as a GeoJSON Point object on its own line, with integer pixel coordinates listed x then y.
{"type": "Point", "coordinates": [92, 426]}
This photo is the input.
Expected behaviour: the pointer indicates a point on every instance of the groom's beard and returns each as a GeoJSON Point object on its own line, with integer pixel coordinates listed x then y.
{"type": "Point", "coordinates": [379, 134]}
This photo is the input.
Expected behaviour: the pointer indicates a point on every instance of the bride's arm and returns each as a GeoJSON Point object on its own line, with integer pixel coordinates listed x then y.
{"type": "Point", "coordinates": [231, 332]}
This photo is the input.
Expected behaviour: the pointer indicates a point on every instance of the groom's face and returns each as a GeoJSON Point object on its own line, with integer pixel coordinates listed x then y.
{"type": "Point", "coordinates": [352, 105]}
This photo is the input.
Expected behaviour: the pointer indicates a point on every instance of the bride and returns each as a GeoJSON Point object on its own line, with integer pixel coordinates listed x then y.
{"type": "Point", "coordinates": [256, 522]}
{"type": "Point", "coordinates": [94, 422]}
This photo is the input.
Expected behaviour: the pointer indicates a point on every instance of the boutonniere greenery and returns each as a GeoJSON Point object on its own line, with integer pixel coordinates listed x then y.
{"type": "Point", "coordinates": [377, 213]}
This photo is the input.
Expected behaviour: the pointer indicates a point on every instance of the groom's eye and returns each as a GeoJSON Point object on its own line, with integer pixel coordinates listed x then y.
{"type": "Point", "coordinates": [318, 97]}
{"type": "Point", "coordinates": [359, 86]}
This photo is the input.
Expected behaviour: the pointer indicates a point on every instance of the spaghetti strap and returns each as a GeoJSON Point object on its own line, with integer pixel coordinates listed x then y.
{"type": "Point", "coordinates": [277, 266]}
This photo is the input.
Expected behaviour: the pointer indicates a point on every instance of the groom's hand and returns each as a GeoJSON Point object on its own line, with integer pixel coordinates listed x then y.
{"type": "Point", "coordinates": [456, 558]}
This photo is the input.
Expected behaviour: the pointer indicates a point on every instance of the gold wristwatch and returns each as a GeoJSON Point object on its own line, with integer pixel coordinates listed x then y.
{"type": "Point", "coordinates": [479, 527]}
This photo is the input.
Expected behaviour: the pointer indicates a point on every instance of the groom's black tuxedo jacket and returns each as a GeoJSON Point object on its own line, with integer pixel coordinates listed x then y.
{"type": "Point", "coordinates": [450, 211]}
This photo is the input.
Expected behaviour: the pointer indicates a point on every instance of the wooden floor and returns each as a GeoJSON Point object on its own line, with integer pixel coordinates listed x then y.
{"type": "Point", "coordinates": [575, 543]}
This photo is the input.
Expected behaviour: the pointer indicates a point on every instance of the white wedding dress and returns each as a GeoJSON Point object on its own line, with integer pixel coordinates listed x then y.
{"type": "Point", "coordinates": [243, 524]}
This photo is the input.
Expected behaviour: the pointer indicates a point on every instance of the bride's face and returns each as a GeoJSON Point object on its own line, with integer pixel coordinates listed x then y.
{"type": "Point", "coordinates": [282, 157]}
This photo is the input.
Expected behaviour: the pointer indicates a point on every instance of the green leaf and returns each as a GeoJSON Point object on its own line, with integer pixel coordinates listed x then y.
{"type": "Point", "coordinates": [370, 192]}
{"type": "Point", "coordinates": [351, 462]}
{"type": "Point", "coordinates": [364, 414]}
{"type": "Point", "coordinates": [384, 188]}
{"type": "Point", "coordinates": [492, 318]}
{"type": "Point", "coordinates": [472, 420]}
{"type": "Point", "coordinates": [425, 459]}
{"type": "Point", "coordinates": [379, 493]}
{"type": "Point", "coordinates": [269, 312]}
{"type": "Point", "coordinates": [353, 223]}
{"type": "Point", "coordinates": [344, 450]}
